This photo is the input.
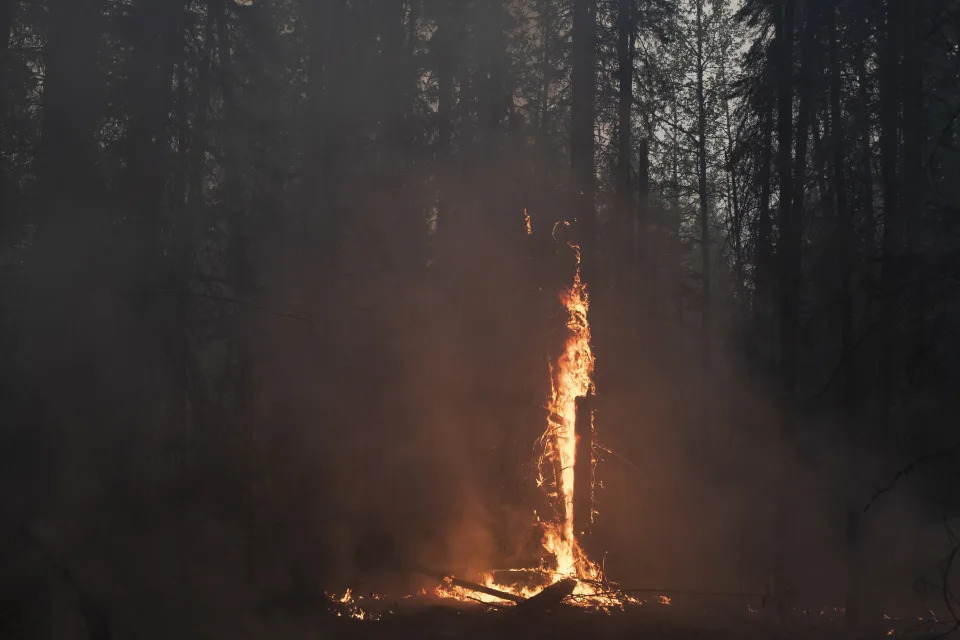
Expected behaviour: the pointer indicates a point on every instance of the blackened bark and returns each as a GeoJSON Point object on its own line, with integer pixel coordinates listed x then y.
{"type": "Point", "coordinates": [581, 128]}
{"type": "Point", "coordinates": [583, 487]}
{"type": "Point", "coordinates": [914, 283]}
{"type": "Point", "coordinates": [764, 267]}
{"type": "Point", "coordinates": [702, 190]}
{"type": "Point", "coordinates": [324, 159]}
{"type": "Point", "coordinates": [844, 221]}
{"type": "Point", "coordinates": [198, 143]}
{"type": "Point", "coordinates": [792, 235]}
{"type": "Point", "coordinates": [70, 100]}
{"type": "Point", "coordinates": [225, 80]}
{"type": "Point", "coordinates": [845, 252]}
{"type": "Point", "coordinates": [625, 99]}
{"type": "Point", "coordinates": [627, 213]}
{"type": "Point", "coordinates": [442, 50]}
{"type": "Point", "coordinates": [912, 204]}
{"type": "Point", "coordinates": [892, 218]}
{"type": "Point", "coordinates": [157, 25]}
{"type": "Point", "coordinates": [865, 153]}
{"type": "Point", "coordinates": [784, 75]}
{"type": "Point", "coordinates": [494, 96]}
{"type": "Point", "coordinates": [6, 29]}
{"type": "Point", "coordinates": [643, 179]}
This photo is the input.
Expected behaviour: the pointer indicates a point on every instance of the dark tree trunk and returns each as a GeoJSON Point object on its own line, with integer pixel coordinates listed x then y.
{"type": "Point", "coordinates": [764, 268]}
{"type": "Point", "coordinates": [643, 181]}
{"type": "Point", "coordinates": [784, 75]}
{"type": "Point", "coordinates": [865, 152]}
{"type": "Point", "coordinates": [442, 50]}
{"type": "Point", "coordinates": [625, 101]}
{"type": "Point", "coordinates": [494, 93]}
{"type": "Point", "coordinates": [626, 215]}
{"type": "Point", "coordinates": [582, 119]}
{"type": "Point", "coordinates": [912, 204]}
{"type": "Point", "coordinates": [198, 142]}
{"type": "Point", "coordinates": [640, 238]}
{"type": "Point", "coordinates": [157, 27]}
{"type": "Point", "coordinates": [324, 153]}
{"type": "Point", "coordinates": [395, 67]}
{"type": "Point", "coordinates": [912, 276]}
{"type": "Point", "coordinates": [702, 191]}
{"type": "Point", "coordinates": [792, 234]}
{"type": "Point", "coordinates": [783, 70]}
{"type": "Point", "coordinates": [225, 81]}
{"type": "Point", "coordinates": [70, 100]}
{"type": "Point", "coordinates": [892, 217]}
{"type": "Point", "coordinates": [6, 29]}
{"type": "Point", "coordinates": [844, 222]}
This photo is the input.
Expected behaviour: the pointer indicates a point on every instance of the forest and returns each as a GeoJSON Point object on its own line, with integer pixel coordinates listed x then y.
{"type": "Point", "coordinates": [282, 303]}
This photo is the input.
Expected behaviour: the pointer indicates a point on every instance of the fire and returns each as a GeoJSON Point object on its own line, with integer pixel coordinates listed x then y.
{"type": "Point", "coordinates": [571, 377]}
{"type": "Point", "coordinates": [526, 220]}
{"type": "Point", "coordinates": [347, 605]}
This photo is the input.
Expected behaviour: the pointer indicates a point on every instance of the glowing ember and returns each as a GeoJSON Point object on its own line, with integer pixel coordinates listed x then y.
{"type": "Point", "coordinates": [349, 606]}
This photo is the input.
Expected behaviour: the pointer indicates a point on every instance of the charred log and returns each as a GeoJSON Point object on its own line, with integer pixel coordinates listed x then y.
{"type": "Point", "coordinates": [583, 469]}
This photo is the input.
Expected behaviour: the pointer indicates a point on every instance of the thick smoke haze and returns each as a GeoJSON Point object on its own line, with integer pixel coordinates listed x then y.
{"type": "Point", "coordinates": [280, 305]}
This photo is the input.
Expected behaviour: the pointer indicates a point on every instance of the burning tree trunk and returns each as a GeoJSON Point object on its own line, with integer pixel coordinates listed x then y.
{"type": "Point", "coordinates": [583, 467]}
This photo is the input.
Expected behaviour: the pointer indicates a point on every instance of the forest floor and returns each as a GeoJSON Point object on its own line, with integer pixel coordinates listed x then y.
{"type": "Point", "coordinates": [689, 621]}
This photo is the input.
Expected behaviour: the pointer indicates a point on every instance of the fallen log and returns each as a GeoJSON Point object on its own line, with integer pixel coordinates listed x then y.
{"type": "Point", "coordinates": [473, 586]}
{"type": "Point", "coordinates": [549, 596]}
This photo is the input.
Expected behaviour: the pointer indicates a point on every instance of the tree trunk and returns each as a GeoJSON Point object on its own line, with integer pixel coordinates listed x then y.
{"type": "Point", "coordinates": [582, 117]}
{"type": "Point", "coordinates": [626, 215]}
{"type": "Point", "coordinates": [6, 29]}
{"type": "Point", "coordinates": [625, 101]}
{"type": "Point", "coordinates": [157, 24]}
{"type": "Point", "coordinates": [844, 221]}
{"type": "Point", "coordinates": [442, 51]}
{"type": "Point", "coordinates": [792, 234]}
{"type": "Point", "coordinates": [702, 191]}
{"type": "Point", "coordinates": [198, 146]}
{"type": "Point", "coordinates": [733, 183]}
{"type": "Point", "coordinates": [892, 217]}
{"type": "Point", "coordinates": [71, 90]}
{"type": "Point", "coordinates": [865, 151]}
{"type": "Point", "coordinates": [225, 80]}
{"type": "Point", "coordinates": [324, 158]}
{"type": "Point", "coordinates": [784, 74]}
{"type": "Point", "coordinates": [764, 268]}
{"type": "Point", "coordinates": [913, 279]}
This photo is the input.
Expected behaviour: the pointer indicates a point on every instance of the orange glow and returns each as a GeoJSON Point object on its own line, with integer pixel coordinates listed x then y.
{"type": "Point", "coordinates": [526, 219]}
{"type": "Point", "coordinates": [571, 377]}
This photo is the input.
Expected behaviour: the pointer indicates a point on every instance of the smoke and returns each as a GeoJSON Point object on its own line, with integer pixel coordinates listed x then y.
{"type": "Point", "coordinates": [392, 412]}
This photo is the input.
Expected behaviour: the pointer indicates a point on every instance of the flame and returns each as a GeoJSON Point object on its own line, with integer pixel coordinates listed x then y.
{"type": "Point", "coordinates": [347, 605]}
{"type": "Point", "coordinates": [571, 377]}
{"type": "Point", "coordinates": [526, 219]}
